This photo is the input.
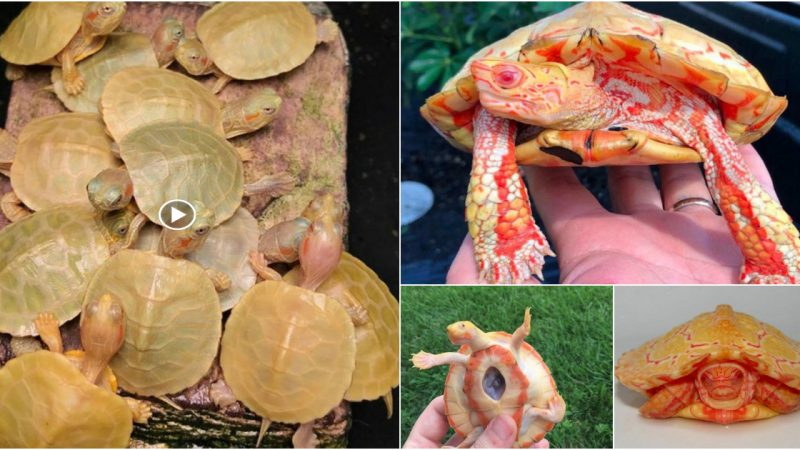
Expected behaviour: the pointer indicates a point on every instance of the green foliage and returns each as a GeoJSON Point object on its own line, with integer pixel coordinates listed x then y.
{"type": "Point", "coordinates": [438, 37]}
{"type": "Point", "coordinates": [571, 328]}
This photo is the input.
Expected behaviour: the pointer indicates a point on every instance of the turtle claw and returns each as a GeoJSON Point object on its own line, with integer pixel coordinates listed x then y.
{"type": "Point", "coordinates": [221, 280]}
{"type": "Point", "coordinates": [140, 410]}
{"type": "Point", "coordinates": [47, 326]}
{"type": "Point", "coordinates": [528, 259]}
{"type": "Point", "coordinates": [74, 85]}
{"type": "Point", "coordinates": [757, 278]}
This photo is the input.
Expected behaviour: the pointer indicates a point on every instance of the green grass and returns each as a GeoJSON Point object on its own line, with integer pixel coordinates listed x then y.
{"type": "Point", "coordinates": [571, 328]}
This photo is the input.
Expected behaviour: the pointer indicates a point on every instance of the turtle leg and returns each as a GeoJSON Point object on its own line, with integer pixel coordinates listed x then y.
{"type": "Point", "coordinates": [388, 400]}
{"type": "Point", "coordinates": [554, 413]}
{"type": "Point", "coordinates": [304, 436]}
{"type": "Point", "coordinates": [509, 247]}
{"type": "Point", "coordinates": [70, 76]}
{"type": "Point", "coordinates": [221, 280]}
{"type": "Point", "coordinates": [358, 314]}
{"type": "Point", "coordinates": [221, 394]}
{"type": "Point", "coordinates": [48, 328]}
{"type": "Point", "coordinates": [425, 360]}
{"type": "Point", "coordinates": [777, 396]}
{"type": "Point", "coordinates": [13, 208]}
{"type": "Point", "coordinates": [262, 430]}
{"type": "Point", "coordinates": [259, 264]}
{"type": "Point", "coordinates": [140, 409]}
{"type": "Point", "coordinates": [14, 72]}
{"type": "Point", "coordinates": [222, 81]}
{"type": "Point", "coordinates": [671, 398]}
{"type": "Point", "coordinates": [522, 331]}
{"type": "Point", "coordinates": [274, 185]}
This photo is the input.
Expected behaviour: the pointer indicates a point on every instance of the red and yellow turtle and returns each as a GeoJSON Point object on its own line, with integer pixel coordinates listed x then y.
{"type": "Point", "coordinates": [496, 373]}
{"type": "Point", "coordinates": [721, 366]}
{"type": "Point", "coordinates": [606, 84]}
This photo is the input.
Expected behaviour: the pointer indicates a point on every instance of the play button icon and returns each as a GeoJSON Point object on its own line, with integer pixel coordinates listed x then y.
{"type": "Point", "coordinates": [176, 214]}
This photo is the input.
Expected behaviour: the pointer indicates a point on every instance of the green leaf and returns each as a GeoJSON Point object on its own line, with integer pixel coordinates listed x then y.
{"type": "Point", "coordinates": [427, 79]}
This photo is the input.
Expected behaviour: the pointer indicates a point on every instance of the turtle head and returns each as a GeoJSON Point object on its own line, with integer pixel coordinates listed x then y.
{"type": "Point", "coordinates": [101, 18]}
{"type": "Point", "coordinates": [177, 243]}
{"type": "Point", "coordinates": [121, 227]}
{"type": "Point", "coordinates": [725, 385]}
{"type": "Point", "coordinates": [548, 95]}
{"type": "Point", "coordinates": [192, 56]}
{"type": "Point", "coordinates": [166, 38]}
{"type": "Point", "coordinates": [110, 190]}
{"type": "Point", "coordinates": [324, 204]}
{"type": "Point", "coordinates": [102, 333]}
{"type": "Point", "coordinates": [462, 333]}
{"type": "Point", "coordinates": [251, 113]}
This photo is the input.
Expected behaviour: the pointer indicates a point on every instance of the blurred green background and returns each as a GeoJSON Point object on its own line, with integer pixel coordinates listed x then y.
{"type": "Point", "coordinates": [571, 328]}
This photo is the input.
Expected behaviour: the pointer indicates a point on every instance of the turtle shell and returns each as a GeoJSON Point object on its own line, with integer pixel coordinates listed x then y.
{"type": "Point", "coordinates": [288, 353]}
{"type": "Point", "coordinates": [121, 50]}
{"type": "Point", "coordinates": [377, 341]}
{"type": "Point", "coordinates": [46, 260]}
{"type": "Point", "coordinates": [139, 96]}
{"type": "Point", "coordinates": [57, 156]}
{"type": "Point", "coordinates": [251, 41]}
{"type": "Point", "coordinates": [173, 320]}
{"type": "Point", "coordinates": [226, 249]}
{"type": "Point", "coordinates": [41, 31]}
{"type": "Point", "coordinates": [46, 402]}
{"type": "Point", "coordinates": [527, 382]}
{"type": "Point", "coordinates": [8, 149]}
{"type": "Point", "coordinates": [721, 335]}
{"type": "Point", "coordinates": [169, 160]}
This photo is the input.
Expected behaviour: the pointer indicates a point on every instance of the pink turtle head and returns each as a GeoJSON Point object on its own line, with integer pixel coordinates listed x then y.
{"type": "Point", "coordinates": [461, 333]}
{"type": "Point", "coordinates": [547, 95]}
{"type": "Point", "coordinates": [725, 385]}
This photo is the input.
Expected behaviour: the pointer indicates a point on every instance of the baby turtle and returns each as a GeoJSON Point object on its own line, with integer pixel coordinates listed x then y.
{"type": "Point", "coordinates": [56, 156]}
{"type": "Point", "coordinates": [122, 50]}
{"type": "Point", "coordinates": [270, 366]}
{"type": "Point", "coordinates": [46, 261]}
{"type": "Point", "coordinates": [375, 315]}
{"type": "Point", "coordinates": [59, 34]}
{"type": "Point", "coordinates": [494, 373]}
{"type": "Point", "coordinates": [249, 41]}
{"type": "Point", "coordinates": [140, 96]}
{"type": "Point", "coordinates": [721, 367]}
{"type": "Point", "coordinates": [173, 320]}
{"type": "Point", "coordinates": [74, 393]}
{"type": "Point", "coordinates": [165, 40]}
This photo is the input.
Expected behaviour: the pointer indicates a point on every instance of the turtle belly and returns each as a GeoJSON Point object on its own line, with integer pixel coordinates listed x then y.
{"type": "Point", "coordinates": [751, 411]}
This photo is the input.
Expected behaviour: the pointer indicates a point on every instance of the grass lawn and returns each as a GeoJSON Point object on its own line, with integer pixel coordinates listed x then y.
{"type": "Point", "coordinates": [571, 328]}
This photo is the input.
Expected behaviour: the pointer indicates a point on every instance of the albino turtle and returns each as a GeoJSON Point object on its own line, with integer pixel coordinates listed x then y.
{"type": "Point", "coordinates": [55, 157]}
{"type": "Point", "coordinates": [8, 149]}
{"type": "Point", "coordinates": [47, 258]}
{"type": "Point", "coordinates": [74, 394]}
{"type": "Point", "coordinates": [375, 315]}
{"type": "Point", "coordinates": [140, 96]}
{"type": "Point", "coordinates": [173, 320]}
{"type": "Point", "coordinates": [721, 366]}
{"type": "Point", "coordinates": [59, 34]}
{"type": "Point", "coordinates": [222, 251]}
{"type": "Point", "coordinates": [608, 84]}
{"type": "Point", "coordinates": [121, 50]}
{"type": "Point", "coordinates": [496, 373]}
{"type": "Point", "coordinates": [165, 40]}
{"type": "Point", "coordinates": [249, 41]}
{"type": "Point", "coordinates": [288, 354]}
{"type": "Point", "coordinates": [315, 239]}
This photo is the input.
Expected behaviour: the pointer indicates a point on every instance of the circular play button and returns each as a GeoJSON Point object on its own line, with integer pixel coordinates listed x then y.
{"type": "Point", "coordinates": [177, 214]}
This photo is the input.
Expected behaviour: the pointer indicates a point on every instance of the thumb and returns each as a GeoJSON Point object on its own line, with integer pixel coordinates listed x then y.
{"type": "Point", "coordinates": [501, 433]}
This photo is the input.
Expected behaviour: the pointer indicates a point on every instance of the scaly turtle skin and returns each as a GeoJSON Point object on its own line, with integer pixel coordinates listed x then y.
{"type": "Point", "coordinates": [59, 34]}
{"type": "Point", "coordinates": [46, 261]}
{"type": "Point", "coordinates": [580, 79]}
{"type": "Point", "coordinates": [56, 156]}
{"type": "Point", "coordinates": [173, 320]}
{"type": "Point", "coordinates": [249, 41]}
{"type": "Point", "coordinates": [375, 315]}
{"type": "Point", "coordinates": [270, 363]}
{"type": "Point", "coordinates": [121, 50]}
{"type": "Point", "coordinates": [496, 373]}
{"type": "Point", "coordinates": [722, 367]}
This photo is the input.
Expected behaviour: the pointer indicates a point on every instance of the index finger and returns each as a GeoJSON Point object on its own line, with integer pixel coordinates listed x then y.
{"type": "Point", "coordinates": [430, 428]}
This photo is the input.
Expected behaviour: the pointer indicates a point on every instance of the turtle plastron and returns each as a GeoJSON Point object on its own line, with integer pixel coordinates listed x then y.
{"type": "Point", "coordinates": [509, 246]}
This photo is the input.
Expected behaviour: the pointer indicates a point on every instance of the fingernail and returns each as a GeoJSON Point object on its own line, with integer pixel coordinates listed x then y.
{"type": "Point", "coordinates": [503, 427]}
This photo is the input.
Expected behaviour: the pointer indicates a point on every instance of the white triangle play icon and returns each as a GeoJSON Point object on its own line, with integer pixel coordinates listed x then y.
{"type": "Point", "coordinates": [175, 214]}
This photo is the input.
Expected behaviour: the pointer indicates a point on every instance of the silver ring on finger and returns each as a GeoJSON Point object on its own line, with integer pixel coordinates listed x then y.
{"type": "Point", "coordinates": [695, 201]}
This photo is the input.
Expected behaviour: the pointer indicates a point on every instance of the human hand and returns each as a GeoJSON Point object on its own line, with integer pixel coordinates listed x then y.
{"type": "Point", "coordinates": [432, 426]}
{"type": "Point", "coordinates": [641, 241]}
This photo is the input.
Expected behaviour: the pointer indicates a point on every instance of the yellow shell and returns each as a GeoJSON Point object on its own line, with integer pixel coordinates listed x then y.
{"type": "Point", "coordinates": [46, 402]}
{"type": "Point", "coordinates": [288, 353]}
{"type": "Point", "coordinates": [722, 335]}
{"type": "Point", "coordinates": [251, 41]}
{"type": "Point", "coordinates": [41, 31]}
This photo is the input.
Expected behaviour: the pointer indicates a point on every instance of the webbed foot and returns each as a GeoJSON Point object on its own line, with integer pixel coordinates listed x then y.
{"type": "Point", "coordinates": [512, 259]}
{"type": "Point", "coordinates": [424, 360]}
{"type": "Point", "coordinates": [140, 409]}
{"type": "Point", "coordinates": [73, 84]}
{"type": "Point", "coordinates": [221, 280]}
{"type": "Point", "coordinates": [48, 328]}
{"type": "Point", "coordinates": [304, 437]}
{"type": "Point", "coordinates": [259, 264]}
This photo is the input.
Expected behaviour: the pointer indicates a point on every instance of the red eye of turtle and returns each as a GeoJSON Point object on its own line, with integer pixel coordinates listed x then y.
{"type": "Point", "coordinates": [507, 77]}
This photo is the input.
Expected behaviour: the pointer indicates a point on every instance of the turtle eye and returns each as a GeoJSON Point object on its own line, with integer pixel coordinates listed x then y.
{"type": "Point", "coordinates": [122, 230]}
{"type": "Point", "coordinates": [507, 77]}
{"type": "Point", "coordinates": [201, 231]}
{"type": "Point", "coordinates": [108, 9]}
{"type": "Point", "coordinates": [269, 110]}
{"type": "Point", "coordinates": [179, 33]}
